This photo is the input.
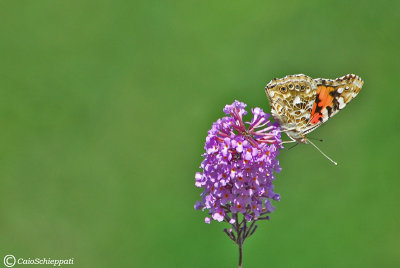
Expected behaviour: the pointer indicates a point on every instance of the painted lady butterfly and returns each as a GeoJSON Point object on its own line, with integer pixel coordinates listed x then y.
{"type": "Point", "coordinates": [300, 104]}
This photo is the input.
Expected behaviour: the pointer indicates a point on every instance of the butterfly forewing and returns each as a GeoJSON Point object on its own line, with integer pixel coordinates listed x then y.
{"type": "Point", "coordinates": [332, 96]}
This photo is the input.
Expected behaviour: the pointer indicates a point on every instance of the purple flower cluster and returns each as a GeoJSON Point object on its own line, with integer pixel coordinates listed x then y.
{"type": "Point", "coordinates": [238, 166]}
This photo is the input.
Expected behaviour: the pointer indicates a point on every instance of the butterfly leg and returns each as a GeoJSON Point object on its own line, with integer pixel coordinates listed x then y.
{"type": "Point", "coordinates": [291, 141]}
{"type": "Point", "coordinates": [283, 142]}
{"type": "Point", "coordinates": [288, 130]}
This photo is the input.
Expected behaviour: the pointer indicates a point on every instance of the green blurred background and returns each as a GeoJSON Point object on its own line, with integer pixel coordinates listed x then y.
{"type": "Point", "coordinates": [105, 106]}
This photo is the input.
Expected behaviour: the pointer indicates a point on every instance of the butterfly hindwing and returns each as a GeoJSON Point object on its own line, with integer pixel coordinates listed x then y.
{"type": "Point", "coordinates": [291, 99]}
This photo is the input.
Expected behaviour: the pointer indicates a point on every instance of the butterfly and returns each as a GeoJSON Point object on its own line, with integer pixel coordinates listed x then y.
{"type": "Point", "coordinates": [301, 104]}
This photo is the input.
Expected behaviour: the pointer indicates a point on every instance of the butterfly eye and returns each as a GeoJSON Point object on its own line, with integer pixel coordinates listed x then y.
{"type": "Point", "coordinates": [283, 89]}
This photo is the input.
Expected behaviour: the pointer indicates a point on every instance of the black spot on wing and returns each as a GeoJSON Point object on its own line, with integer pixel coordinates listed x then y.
{"type": "Point", "coordinates": [334, 93]}
{"type": "Point", "coordinates": [335, 104]}
{"type": "Point", "coordinates": [317, 108]}
{"type": "Point", "coordinates": [329, 109]}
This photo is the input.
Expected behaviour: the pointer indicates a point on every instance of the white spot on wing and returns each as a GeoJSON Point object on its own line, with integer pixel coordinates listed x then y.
{"type": "Point", "coordinates": [357, 83]}
{"type": "Point", "coordinates": [341, 103]}
{"type": "Point", "coordinates": [325, 114]}
{"type": "Point", "coordinates": [296, 100]}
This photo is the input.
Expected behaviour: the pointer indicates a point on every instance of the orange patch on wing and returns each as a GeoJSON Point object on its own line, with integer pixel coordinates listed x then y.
{"type": "Point", "coordinates": [316, 118]}
{"type": "Point", "coordinates": [323, 94]}
{"type": "Point", "coordinates": [313, 109]}
{"type": "Point", "coordinates": [324, 100]}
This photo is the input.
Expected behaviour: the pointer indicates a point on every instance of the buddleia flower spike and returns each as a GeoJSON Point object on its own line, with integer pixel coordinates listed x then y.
{"type": "Point", "coordinates": [238, 169]}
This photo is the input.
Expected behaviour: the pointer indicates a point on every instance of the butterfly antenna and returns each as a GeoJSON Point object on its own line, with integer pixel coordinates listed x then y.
{"type": "Point", "coordinates": [293, 146]}
{"type": "Point", "coordinates": [321, 140]}
{"type": "Point", "coordinates": [322, 152]}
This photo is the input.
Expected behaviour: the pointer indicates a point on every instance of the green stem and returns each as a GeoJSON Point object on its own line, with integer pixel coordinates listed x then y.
{"type": "Point", "coordinates": [240, 255]}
